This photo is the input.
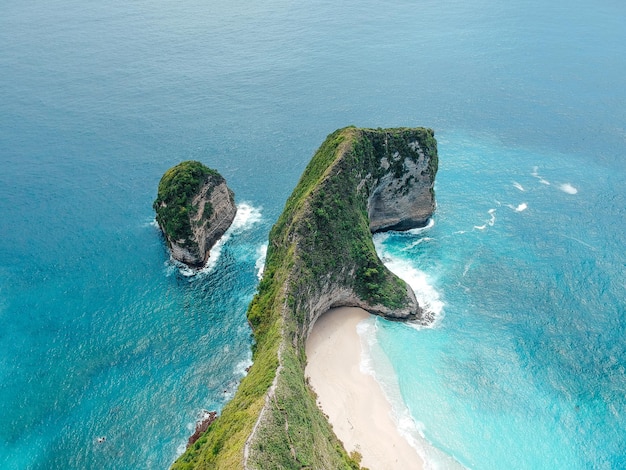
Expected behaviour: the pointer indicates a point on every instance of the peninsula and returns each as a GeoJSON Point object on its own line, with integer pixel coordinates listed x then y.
{"type": "Point", "coordinates": [194, 208]}
{"type": "Point", "coordinates": [321, 256]}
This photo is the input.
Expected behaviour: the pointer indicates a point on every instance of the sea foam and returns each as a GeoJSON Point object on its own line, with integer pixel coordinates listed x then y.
{"type": "Point", "coordinates": [427, 296]}
{"type": "Point", "coordinates": [519, 208]}
{"type": "Point", "coordinates": [259, 265]}
{"type": "Point", "coordinates": [568, 188]}
{"type": "Point", "coordinates": [247, 216]}
{"type": "Point", "coordinates": [536, 174]}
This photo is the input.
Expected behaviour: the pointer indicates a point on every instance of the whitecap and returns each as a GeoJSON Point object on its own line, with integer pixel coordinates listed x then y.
{"type": "Point", "coordinates": [180, 450]}
{"type": "Point", "coordinates": [535, 173]}
{"type": "Point", "coordinates": [417, 242]}
{"type": "Point", "coordinates": [417, 231]}
{"type": "Point", "coordinates": [492, 213]}
{"type": "Point", "coordinates": [214, 255]}
{"type": "Point", "coordinates": [518, 186]}
{"type": "Point", "coordinates": [367, 333]}
{"type": "Point", "coordinates": [152, 223]}
{"type": "Point", "coordinates": [568, 188]}
{"type": "Point", "coordinates": [490, 222]}
{"type": "Point", "coordinates": [468, 265]}
{"type": "Point", "coordinates": [247, 216]}
{"type": "Point", "coordinates": [521, 207]}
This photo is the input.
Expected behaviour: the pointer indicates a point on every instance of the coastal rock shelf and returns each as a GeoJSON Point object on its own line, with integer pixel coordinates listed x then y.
{"type": "Point", "coordinates": [194, 209]}
{"type": "Point", "coordinates": [320, 256]}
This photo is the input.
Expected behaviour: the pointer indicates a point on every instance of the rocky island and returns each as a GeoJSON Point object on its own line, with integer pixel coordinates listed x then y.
{"type": "Point", "coordinates": [321, 255]}
{"type": "Point", "coordinates": [194, 208]}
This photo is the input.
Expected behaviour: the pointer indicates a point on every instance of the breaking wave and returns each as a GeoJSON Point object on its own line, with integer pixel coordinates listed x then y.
{"type": "Point", "coordinates": [259, 265]}
{"type": "Point", "coordinates": [427, 295]}
{"type": "Point", "coordinates": [247, 216]}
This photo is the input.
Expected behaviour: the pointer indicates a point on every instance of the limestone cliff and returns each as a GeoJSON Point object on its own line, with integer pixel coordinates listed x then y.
{"type": "Point", "coordinates": [194, 209]}
{"type": "Point", "coordinates": [403, 197]}
{"type": "Point", "coordinates": [321, 255]}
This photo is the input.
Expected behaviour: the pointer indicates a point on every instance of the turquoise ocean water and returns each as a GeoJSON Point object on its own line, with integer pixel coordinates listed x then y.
{"type": "Point", "coordinates": [523, 263]}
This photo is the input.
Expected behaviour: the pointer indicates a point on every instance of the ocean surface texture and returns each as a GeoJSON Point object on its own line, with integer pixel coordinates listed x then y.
{"type": "Point", "coordinates": [523, 263]}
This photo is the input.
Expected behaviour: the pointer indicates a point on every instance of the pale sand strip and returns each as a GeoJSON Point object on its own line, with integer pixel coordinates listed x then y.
{"type": "Point", "coordinates": [353, 401]}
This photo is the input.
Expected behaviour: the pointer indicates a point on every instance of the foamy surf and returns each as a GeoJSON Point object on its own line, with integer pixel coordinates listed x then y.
{"type": "Point", "coordinates": [426, 294]}
{"type": "Point", "coordinates": [247, 216]}
{"type": "Point", "coordinates": [416, 231]}
{"type": "Point", "coordinates": [519, 208]}
{"type": "Point", "coordinates": [383, 373]}
{"type": "Point", "coordinates": [536, 174]}
{"type": "Point", "coordinates": [241, 368]}
{"type": "Point", "coordinates": [489, 223]}
{"type": "Point", "coordinates": [259, 265]}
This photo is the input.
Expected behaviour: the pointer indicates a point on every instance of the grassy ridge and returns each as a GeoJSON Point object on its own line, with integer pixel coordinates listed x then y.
{"type": "Point", "coordinates": [320, 242]}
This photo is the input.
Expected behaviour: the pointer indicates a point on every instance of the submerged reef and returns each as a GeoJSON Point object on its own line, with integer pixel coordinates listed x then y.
{"type": "Point", "coordinates": [194, 207]}
{"type": "Point", "coordinates": [321, 255]}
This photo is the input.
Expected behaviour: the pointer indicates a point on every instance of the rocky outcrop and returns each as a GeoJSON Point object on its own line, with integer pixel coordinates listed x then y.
{"type": "Point", "coordinates": [202, 424]}
{"type": "Point", "coordinates": [194, 209]}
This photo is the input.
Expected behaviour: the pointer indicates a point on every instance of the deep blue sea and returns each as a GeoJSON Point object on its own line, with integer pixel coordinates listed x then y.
{"type": "Point", "coordinates": [523, 263]}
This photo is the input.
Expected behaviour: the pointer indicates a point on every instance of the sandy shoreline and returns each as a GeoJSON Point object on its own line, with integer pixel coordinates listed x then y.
{"type": "Point", "coordinates": [353, 401]}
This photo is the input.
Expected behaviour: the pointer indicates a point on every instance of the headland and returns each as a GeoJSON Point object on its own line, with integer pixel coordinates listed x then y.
{"type": "Point", "coordinates": [320, 256]}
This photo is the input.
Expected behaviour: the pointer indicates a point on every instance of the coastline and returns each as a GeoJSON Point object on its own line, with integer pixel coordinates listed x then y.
{"type": "Point", "coordinates": [353, 401]}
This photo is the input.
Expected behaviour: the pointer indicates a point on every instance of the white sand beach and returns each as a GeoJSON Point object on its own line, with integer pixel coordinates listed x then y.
{"type": "Point", "coordinates": [353, 401]}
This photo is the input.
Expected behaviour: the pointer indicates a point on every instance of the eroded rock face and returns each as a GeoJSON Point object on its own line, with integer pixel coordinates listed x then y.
{"type": "Point", "coordinates": [194, 208]}
{"type": "Point", "coordinates": [402, 200]}
{"type": "Point", "coordinates": [206, 232]}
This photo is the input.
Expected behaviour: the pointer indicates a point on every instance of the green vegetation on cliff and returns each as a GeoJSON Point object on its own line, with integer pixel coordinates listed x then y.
{"type": "Point", "coordinates": [173, 204]}
{"type": "Point", "coordinates": [320, 245]}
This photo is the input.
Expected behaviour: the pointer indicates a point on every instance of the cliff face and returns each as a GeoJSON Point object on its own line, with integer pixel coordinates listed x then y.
{"type": "Point", "coordinates": [403, 197]}
{"type": "Point", "coordinates": [194, 209]}
{"type": "Point", "coordinates": [321, 255]}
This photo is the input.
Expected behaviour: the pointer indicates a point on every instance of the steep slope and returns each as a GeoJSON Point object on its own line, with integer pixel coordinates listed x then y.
{"type": "Point", "coordinates": [321, 255]}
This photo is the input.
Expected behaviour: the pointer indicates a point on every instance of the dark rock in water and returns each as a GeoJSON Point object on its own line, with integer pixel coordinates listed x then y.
{"type": "Point", "coordinates": [194, 209]}
{"type": "Point", "coordinates": [201, 426]}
